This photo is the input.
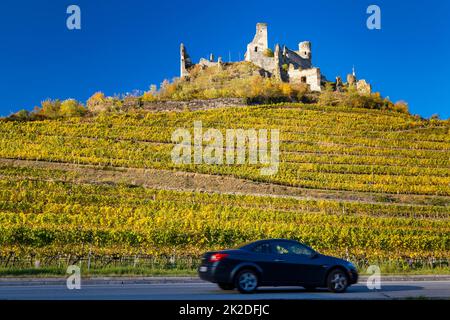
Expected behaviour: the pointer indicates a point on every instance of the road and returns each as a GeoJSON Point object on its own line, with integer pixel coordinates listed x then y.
{"type": "Point", "coordinates": [208, 291]}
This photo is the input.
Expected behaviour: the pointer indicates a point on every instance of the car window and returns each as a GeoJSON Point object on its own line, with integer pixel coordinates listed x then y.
{"type": "Point", "coordinates": [299, 249]}
{"type": "Point", "coordinates": [291, 248]}
{"type": "Point", "coordinates": [281, 248]}
{"type": "Point", "coordinates": [262, 248]}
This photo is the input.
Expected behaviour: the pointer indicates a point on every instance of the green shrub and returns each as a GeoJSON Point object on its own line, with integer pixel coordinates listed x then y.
{"type": "Point", "coordinates": [22, 115]}
{"type": "Point", "coordinates": [268, 53]}
{"type": "Point", "coordinates": [328, 97]}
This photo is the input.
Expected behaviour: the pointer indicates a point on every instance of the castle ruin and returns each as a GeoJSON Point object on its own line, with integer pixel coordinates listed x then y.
{"type": "Point", "coordinates": [283, 63]}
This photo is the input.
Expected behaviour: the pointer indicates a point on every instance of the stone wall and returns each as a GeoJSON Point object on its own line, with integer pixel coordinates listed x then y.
{"type": "Point", "coordinates": [193, 104]}
{"type": "Point", "coordinates": [311, 77]}
{"type": "Point", "coordinates": [363, 87]}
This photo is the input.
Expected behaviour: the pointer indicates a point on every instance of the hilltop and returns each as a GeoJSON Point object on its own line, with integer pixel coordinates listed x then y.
{"type": "Point", "coordinates": [233, 84]}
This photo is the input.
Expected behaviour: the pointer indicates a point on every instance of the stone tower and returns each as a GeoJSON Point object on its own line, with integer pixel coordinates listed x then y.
{"type": "Point", "coordinates": [351, 78]}
{"type": "Point", "coordinates": [304, 50]}
{"type": "Point", "coordinates": [259, 44]}
{"type": "Point", "coordinates": [185, 62]}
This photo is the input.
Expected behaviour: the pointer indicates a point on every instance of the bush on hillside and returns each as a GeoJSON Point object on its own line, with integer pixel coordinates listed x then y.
{"type": "Point", "coordinates": [227, 80]}
{"type": "Point", "coordinates": [72, 108]}
{"type": "Point", "coordinates": [49, 109]}
{"type": "Point", "coordinates": [237, 80]}
{"type": "Point", "coordinates": [22, 115]}
{"type": "Point", "coordinates": [328, 97]}
{"type": "Point", "coordinates": [354, 99]}
{"type": "Point", "coordinates": [96, 101]}
{"type": "Point", "coordinates": [400, 106]}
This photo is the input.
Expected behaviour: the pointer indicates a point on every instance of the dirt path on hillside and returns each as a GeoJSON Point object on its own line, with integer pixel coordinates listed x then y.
{"type": "Point", "coordinates": [187, 181]}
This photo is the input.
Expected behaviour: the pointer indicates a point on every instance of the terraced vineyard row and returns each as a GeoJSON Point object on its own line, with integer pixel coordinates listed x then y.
{"type": "Point", "coordinates": [47, 217]}
{"type": "Point", "coordinates": [117, 141]}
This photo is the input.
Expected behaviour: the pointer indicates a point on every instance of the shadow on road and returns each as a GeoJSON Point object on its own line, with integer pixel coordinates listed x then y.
{"type": "Point", "coordinates": [352, 289]}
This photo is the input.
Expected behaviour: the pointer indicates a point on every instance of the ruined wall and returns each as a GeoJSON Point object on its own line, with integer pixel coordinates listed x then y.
{"type": "Point", "coordinates": [363, 87]}
{"type": "Point", "coordinates": [292, 57]}
{"type": "Point", "coordinates": [266, 63]}
{"type": "Point", "coordinates": [311, 77]}
{"type": "Point", "coordinates": [351, 80]}
{"type": "Point", "coordinates": [207, 63]}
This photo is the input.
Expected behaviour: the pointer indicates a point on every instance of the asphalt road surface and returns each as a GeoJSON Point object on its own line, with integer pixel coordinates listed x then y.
{"type": "Point", "coordinates": [209, 291]}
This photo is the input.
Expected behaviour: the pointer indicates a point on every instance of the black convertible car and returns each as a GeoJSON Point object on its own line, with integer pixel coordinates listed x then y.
{"type": "Point", "coordinates": [276, 262]}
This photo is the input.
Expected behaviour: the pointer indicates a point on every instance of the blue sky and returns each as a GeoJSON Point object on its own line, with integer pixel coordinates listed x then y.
{"type": "Point", "coordinates": [127, 45]}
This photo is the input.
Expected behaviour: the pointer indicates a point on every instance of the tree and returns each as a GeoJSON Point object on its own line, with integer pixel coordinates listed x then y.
{"type": "Point", "coordinates": [72, 108]}
{"type": "Point", "coordinates": [400, 106]}
{"type": "Point", "coordinates": [96, 101]}
{"type": "Point", "coordinates": [435, 116]}
{"type": "Point", "coordinates": [50, 108]}
{"type": "Point", "coordinates": [21, 115]}
{"type": "Point", "coordinates": [150, 95]}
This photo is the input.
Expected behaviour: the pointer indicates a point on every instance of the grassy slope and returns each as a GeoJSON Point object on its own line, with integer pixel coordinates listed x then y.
{"type": "Point", "coordinates": [385, 175]}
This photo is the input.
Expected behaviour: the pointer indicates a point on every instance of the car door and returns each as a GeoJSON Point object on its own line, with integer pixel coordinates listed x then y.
{"type": "Point", "coordinates": [309, 268]}
{"type": "Point", "coordinates": [296, 262]}
{"type": "Point", "coordinates": [289, 266]}
{"type": "Point", "coordinates": [262, 254]}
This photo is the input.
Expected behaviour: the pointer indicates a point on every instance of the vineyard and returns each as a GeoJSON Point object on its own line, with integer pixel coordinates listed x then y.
{"type": "Point", "coordinates": [399, 158]}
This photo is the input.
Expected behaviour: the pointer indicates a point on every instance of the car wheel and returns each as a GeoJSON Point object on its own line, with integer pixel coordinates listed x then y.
{"type": "Point", "coordinates": [337, 281]}
{"type": "Point", "coordinates": [225, 286]}
{"type": "Point", "coordinates": [246, 281]}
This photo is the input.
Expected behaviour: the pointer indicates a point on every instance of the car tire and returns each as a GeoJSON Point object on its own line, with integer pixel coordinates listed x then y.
{"type": "Point", "coordinates": [246, 281]}
{"type": "Point", "coordinates": [225, 286]}
{"type": "Point", "coordinates": [337, 281]}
